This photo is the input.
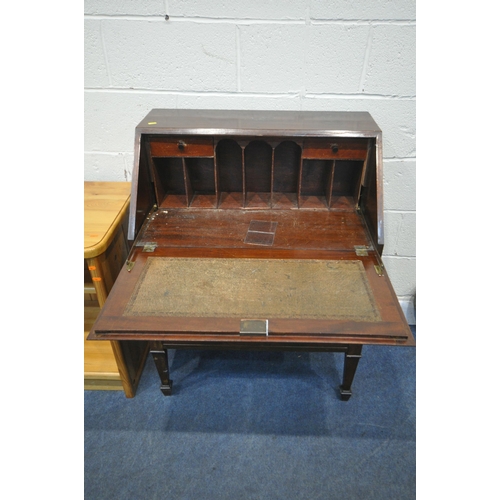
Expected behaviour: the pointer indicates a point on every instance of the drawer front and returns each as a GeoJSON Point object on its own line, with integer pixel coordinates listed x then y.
{"type": "Point", "coordinates": [335, 148]}
{"type": "Point", "coordinates": [182, 146]}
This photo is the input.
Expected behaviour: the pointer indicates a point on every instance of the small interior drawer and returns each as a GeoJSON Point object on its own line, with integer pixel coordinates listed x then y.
{"type": "Point", "coordinates": [335, 148]}
{"type": "Point", "coordinates": [182, 146]}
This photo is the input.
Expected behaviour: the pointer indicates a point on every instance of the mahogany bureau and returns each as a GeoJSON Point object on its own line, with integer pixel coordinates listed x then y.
{"type": "Point", "coordinates": [255, 230]}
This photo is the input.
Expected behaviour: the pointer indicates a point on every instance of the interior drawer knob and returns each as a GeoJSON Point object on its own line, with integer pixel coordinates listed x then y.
{"type": "Point", "coordinates": [335, 148]}
{"type": "Point", "coordinates": [181, 145]}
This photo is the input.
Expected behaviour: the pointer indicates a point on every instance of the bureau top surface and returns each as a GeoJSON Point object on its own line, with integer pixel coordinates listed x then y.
{"type": "Point", "coordinates": [236, 122]}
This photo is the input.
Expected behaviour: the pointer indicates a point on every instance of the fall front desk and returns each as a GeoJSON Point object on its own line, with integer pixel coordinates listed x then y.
{"type": "Point", "coordinates": [255, 231]}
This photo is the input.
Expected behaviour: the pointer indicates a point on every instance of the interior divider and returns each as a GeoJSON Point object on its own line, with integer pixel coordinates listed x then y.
{"type": "Point", "coordinates": [229, 171]}
{"type": "Point", "coordinates": [299, 184]}
{"type": "Point", "coordinates": [258, 159]}
{"type": "Point", "coordinates": [243, 194]}
{"type": "Point", "coordinates": [158, 185]}
{"type": "Point", "coordinates": [216, 180]}
{"type": "Point", "coordinates": [362, 179]}
{"type": "Point", "coordinates": [187, 183]}
{"type": "Point", "coordinates": [286, 174]}
{"type": "Point", "coordinates": [330, 185]}
{"type": "Point", "coordinates": [272, 176]}
{"type": "Point", "coordinates": [258, 173]}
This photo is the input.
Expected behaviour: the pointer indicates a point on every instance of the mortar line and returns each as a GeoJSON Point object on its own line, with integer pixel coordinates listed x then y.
{"type": "Point", "coordinates": [211, 20]}
{"type": "Point", "coordinates": [215, 20]}
{"type": "Point", "coordinates": [384, 256]}
{"type": "Point", "coordinates": [370, 22]}
{"type": "Point", "coordinates": [229, 93]}
{"type": "Point", "coordinates": [238, 58]}
{"type": "Point", "coordinates": [399, 211]}
{"type": "Point", "coordinates": [399, 159]}
{"type": "Point", "coordinates": [367, 58]}
{"type": "Point", "coordinates": [105, 53]}
{"type": "Point", "coordinates": [303, 90]}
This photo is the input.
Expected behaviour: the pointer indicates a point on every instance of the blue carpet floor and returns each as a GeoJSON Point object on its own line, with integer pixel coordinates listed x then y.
{"type": "Point", "coordinates": [263, 425]}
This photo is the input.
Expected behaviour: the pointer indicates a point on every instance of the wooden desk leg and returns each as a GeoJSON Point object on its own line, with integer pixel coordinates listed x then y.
{"type": "Point", "coordinates": [351, 360]}
{"type": "Point", "coordinates": [128, 386]}
{"type": "Point", "coordinates": [97, 274]}
{"type": "Point", "coordinates": [160, 356]}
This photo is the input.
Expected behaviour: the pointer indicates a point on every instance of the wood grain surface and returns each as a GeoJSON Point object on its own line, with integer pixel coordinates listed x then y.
{"type": "Point", "coordinates": [105, 203]}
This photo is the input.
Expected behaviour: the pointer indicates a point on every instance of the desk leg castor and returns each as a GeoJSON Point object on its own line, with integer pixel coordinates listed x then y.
{"type": "Point", "coordinates": [345, 395]}
{"type": "Point", "coordinates": [351, 360]}
{"type": "Point", "coordinates": [160, 357]}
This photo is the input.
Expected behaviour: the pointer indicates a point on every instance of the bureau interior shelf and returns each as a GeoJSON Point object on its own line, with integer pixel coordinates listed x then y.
{"type": "Point", "coordinates": [253, 173]}
{"type": "Point", "coordinates": [304, 230]}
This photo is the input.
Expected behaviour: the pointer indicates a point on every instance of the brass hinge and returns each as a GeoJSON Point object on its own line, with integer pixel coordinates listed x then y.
{"type": "Point", "coordinates": [361, 250]}
{"type": "Point", "coordinates": [149, 246]}
{"type": "Point", "coordinates": [379, 270]}
{"type": "Point", "coordinates": [130, 265]}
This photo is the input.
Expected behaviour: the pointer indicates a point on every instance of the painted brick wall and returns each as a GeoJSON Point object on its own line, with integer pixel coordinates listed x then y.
{"type": "Point", "coordinates": [283, 54]}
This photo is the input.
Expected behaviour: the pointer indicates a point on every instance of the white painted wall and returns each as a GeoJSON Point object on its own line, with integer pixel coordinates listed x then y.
{"type": "Point", "coordinates": [340, 55]}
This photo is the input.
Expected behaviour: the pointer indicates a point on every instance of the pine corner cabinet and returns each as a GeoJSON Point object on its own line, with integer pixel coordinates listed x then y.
{"type": "Point", "coordinates": [255, 230]}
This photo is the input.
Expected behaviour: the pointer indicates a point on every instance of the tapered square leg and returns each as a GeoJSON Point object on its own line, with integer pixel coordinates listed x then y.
{"type": "Point", "coordinates": [160, 357]}
{"type": "Point", "coordinates": [351, 360]}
